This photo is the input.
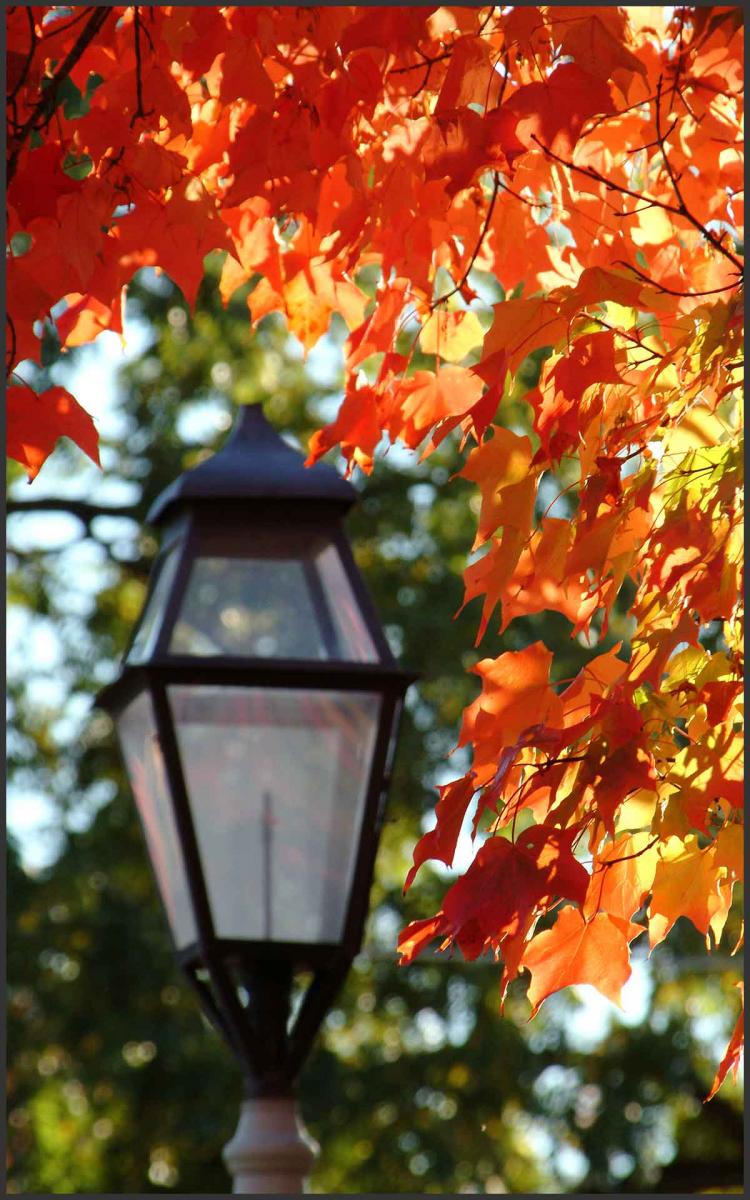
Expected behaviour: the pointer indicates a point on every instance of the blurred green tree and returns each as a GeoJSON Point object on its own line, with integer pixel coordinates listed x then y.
{"type": "Point", "coordinates": [417, 1084]}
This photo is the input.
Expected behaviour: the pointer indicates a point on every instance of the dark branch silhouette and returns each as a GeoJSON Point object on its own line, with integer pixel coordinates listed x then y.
{"type": "Point", "coordinates": [43, 110]}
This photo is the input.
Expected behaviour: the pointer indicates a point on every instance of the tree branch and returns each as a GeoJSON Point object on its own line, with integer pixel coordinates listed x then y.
{"type": "Point", "coordinates": [661, 139]}
{"type": "Point", "coordinates": [29, 57]}
{"type": "Point", "coordinates": [45, 106]}
{"type": "Point", "coordinates": [85, 512]}
{"type": "Point", "coordinates": [677, 210]}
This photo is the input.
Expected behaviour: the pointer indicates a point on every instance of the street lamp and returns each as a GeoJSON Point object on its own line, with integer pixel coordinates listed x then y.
{"type": "Point", "coordinates": [257, 709]}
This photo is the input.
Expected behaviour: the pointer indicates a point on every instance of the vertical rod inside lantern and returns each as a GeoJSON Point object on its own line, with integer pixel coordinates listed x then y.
{"type": "Point", "coordinates": [267, 836]}
{"type": "Point", "coordinates": [322, 610]}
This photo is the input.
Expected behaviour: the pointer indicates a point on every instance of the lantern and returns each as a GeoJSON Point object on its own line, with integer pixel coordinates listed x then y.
{"type": "Point", "coordinates": [257, 709]}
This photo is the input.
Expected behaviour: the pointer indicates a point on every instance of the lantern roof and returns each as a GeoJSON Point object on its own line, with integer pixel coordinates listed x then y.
{"type": "Point", "coordinates": [255, 463]}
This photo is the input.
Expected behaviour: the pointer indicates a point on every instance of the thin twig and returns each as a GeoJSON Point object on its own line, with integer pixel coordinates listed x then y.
{"type": "Point", "coordinates": [625, 857]}
{"type": "Point", "coordinates": [628, 336]}
{"type": "Point", "coordinates": [619, 262]}
{"type": "Point", "coordinates": [612, 116]}
{"type": "Point", "coordinates": [525, 199]}
{"type": "Point", "coordinates": [29, 57]}
{"type": "Point", "coordinates": [425, 61]}
{"type": "Point", "coordinates": [635, 211]}
{"type": "Point", "coordinates": [477, 248]}
{"type": "Point", "coordinates": [506, 76]}
{"type": "Point", "coordinates": [430, 62]}
{"type": "Point", "coordinates": [661, 139]}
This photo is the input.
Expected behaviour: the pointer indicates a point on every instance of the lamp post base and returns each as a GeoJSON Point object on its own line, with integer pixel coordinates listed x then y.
{"type": "Point", "coordinates": [270, 1153]}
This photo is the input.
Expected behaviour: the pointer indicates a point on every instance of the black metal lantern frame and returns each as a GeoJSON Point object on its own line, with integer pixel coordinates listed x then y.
{"type": "Point", "coordinates": [257, 486]}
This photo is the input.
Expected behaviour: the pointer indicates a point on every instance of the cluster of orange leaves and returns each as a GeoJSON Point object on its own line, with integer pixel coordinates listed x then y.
{"type": "Point", "coordinates": [590, 160]}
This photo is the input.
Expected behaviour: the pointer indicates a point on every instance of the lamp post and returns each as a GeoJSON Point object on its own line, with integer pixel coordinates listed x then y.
{"type": "Point", "coordinates": [257, 709]}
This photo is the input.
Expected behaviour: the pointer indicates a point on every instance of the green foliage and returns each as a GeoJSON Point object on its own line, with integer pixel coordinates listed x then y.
{"type": "Point", "coordinates": [116, 1082]}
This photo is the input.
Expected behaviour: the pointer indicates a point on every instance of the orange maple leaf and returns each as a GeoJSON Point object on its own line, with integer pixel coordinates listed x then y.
{"type": "Point", "coordinates": [440, 842]}
{"type": "Point", "coordinates": [554, 111]}
{"type": "Point", "coordinates": [578, 951]}
{"type": "Point", "coordinates": [686, 884]}
{"type": "Point", "coordinates": [733, 1055]}
{"type": "Point", "coordinates": [35, 422]}
{"type": "Point", "coordinates": [501, 468]}
{"type": "Point", "coordinates": [516, 695]}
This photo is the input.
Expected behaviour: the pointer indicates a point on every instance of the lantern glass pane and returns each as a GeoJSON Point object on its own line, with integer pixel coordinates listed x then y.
{"type": "Point", "coordinates": [352, 634]}
{"type": "Point", "coordinates": [288, 596]}
{"type": "Point", "coordinates": [277, 781]}
{"type": "Point", "coordinates": [148, 628]}
{"type": "Point", "coordinates": [136, 728]}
